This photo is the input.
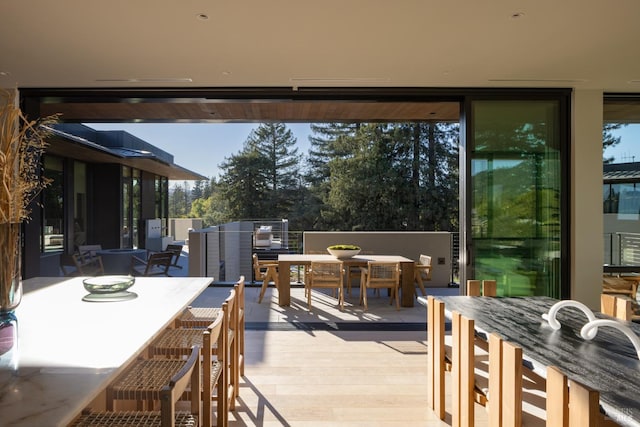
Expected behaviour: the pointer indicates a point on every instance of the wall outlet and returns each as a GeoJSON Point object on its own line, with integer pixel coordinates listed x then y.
{"type": "Point", "coordinates": [441, 261]}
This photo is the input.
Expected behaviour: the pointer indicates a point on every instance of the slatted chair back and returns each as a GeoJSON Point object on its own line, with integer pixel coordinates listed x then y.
{"type": "Point", "coordinates": [214, 374]}
{"type": "Point", "coordinates": [616, 306]}
{"type": "Point", "coordinates": [157, 264]}
{"type": "Point", "coordinates": [474, 288]}
{"type": "Point", "coordinates": [422, 272]}
{"type": "Point", "coordinates": [571, 403]}
{"type": "Point", "coordinates": [176, 250]}
{"type": "Point", "coordinates": [189, 375]}
{"type": "Point", "coordinates": [91, 249]}
{"type": "Point", "coordinates": [325, 275]}
{"type": "Point", "coordinates": [167, 383]}
{"type": "Point", "coordinates": [380, 275]}
{"type": "Point", "coordinates": [487, 288]}
{"type": "Point", "coordinates": [230, 310]}
{"type": "Point", "coordinates": [462, 370]}
{"type": "Point", "coordinates": [436, 356]}
{"type": "Point", "coordinates": [87, 265]}
{"type": "Point", "coordinates": [239, 287]}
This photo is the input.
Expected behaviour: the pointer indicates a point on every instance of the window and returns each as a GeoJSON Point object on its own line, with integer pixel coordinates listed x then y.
{"type": "Point", "coordinates": [53, 232]}
{"type": "Point", "coordinates": [621, 180]}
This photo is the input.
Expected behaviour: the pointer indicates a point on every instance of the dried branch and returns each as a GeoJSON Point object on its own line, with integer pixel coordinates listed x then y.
{"type": "Point", "coordinates": [22, 143]}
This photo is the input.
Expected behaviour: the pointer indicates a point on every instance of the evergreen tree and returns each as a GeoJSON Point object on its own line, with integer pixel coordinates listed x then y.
{"type": "Point", "coordinates": [243, 185]}
{"type": "Point", "coordinates": [276, 146]}
{"type": "Point", "coordinates": [609, 140]}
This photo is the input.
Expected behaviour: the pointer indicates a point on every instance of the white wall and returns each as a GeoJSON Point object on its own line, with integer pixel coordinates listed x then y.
{"type": "Point", "coordinates": [586, 221]}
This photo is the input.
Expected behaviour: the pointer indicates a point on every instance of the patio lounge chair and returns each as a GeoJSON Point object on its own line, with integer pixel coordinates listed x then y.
{"type": "Point", "coordinates": [157, 264]}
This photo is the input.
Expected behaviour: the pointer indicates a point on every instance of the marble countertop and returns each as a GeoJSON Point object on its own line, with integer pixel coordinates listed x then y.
{"type": "Point", "coordinates": [68, 349]}
{"type": "Point", "coordinates": [608, 363]}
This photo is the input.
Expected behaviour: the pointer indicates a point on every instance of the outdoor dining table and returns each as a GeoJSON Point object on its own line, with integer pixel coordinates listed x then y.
{"type": "Point", "coordinates": [67, 350]}
{"type": "Point", "coordinates": [608, 363]}
{"type": "Point", "coordinates": [285, 261]}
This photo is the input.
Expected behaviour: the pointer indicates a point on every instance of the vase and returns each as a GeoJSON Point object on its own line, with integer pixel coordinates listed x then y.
{"type": "Point", "coordinates": [10, 274]}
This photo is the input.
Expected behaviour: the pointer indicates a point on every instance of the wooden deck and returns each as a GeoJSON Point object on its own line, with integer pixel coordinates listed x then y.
{"type": "Point", "coordinates": [332, 368]}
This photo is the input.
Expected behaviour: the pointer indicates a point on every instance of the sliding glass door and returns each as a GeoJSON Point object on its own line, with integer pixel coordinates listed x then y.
{"type": "Point", "coordinates": [514, 195]}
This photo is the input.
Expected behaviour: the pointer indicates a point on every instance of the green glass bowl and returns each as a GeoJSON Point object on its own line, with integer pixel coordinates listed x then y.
{"type": "Point", "coordinates": [108, 284]}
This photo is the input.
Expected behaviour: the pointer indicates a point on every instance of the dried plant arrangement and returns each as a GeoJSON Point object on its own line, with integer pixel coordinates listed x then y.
{"type": "Point", "coordinates": [22, 143]}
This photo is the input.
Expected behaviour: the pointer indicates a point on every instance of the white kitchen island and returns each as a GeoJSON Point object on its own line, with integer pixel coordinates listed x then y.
{"type": "Point", "coordinates": [68, 350]}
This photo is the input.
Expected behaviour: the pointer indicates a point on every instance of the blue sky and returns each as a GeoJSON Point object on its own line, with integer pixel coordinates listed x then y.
{"type": "Point", "coordinates": [200, 147]}
{"type": "Point", "coordinates": [628, 150]}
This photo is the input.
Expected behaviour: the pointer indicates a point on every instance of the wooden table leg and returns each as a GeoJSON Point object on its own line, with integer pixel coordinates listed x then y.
{"type": "Point", "coordinates": [407, 284]}
{"type": "Point", "coordinates": [284, 283]}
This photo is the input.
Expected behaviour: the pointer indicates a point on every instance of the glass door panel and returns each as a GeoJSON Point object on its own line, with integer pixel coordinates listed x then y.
{"type": "Point", "coordinates": [515, 193]}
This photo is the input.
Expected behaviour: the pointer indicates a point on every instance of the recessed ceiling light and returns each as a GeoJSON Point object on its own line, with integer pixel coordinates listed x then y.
{"type": "Point", "coordinates": [4, 73]}
{"type": "Point", "coordinates": [202, 16]}
{"type": "Point", "coordinates": [226, 73]}
{"type": "Point", "coordinates": [540, 80]}
{"type": "Point", "coordinates": [517, 15]}
{"type": "Point", "coordinates": [157, 80]}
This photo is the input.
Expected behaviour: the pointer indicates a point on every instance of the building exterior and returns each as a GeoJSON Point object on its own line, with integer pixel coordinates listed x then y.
{"type": "Point", "coordinates": [621, 210]}
{"type": "Point", "coordinates": [105, 185]}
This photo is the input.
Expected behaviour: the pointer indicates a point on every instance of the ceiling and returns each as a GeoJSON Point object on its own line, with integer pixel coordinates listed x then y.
{"type": "Point", "coordinates": [295, 45]}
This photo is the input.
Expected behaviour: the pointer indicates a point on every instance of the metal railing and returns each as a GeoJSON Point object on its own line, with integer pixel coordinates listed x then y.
{"type": "Point", "coordinates": [622, 248]}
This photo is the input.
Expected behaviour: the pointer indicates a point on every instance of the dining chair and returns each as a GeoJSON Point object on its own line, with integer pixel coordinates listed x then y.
{"type": "Point", "coordinates": [325, 275]}
{"type": "Point", "coordinates": [380, 275]}
{"type": "Point", "coordinates": [616, 306]}
{"type": "Point", "coordinates": [157, 264]}
{"type": "Point", "coordinates": [200, 317]}
{"type": "Point", "coordinates": [176, 250]}
{"type": "Point", "coordinates": [487, 288]}
{"type": "Point", "coordinates": [353, 271]}
{"type": "Point", "coordinates": [87, 265]}
{"type": "Point", "coordinates": [571, 403]}
{"type": "Point", "coordinates": [476, 370]}
{"type": "Point", "coordinates": [265, 271]}
{"type": "Point", "coordinates": [171, 382]}
{"type": "Point", "coordinates": [422, 273]}
{"type": "Point", "coordinates": [173, 343]}
{"type": "Point", "coordinates": [91, 249]}
{"type": "Point", "coordinates": [436, 357]}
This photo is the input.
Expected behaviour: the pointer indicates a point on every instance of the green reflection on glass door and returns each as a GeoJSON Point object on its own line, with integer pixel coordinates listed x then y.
{"type": "Point", "coordinates": [515, 196]}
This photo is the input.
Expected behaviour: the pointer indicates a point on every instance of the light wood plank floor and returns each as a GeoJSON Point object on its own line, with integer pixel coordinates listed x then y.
{"type": "Point", "coordinates": [349, 372]}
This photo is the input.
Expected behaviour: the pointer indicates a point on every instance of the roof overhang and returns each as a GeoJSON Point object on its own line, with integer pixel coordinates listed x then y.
{"type": "Point", "coordinates": [71, 146]}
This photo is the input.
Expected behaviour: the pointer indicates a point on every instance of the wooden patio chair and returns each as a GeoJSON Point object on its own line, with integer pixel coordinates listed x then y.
{"type": "Point", "coordinates": [325, 275]}
{"type": "Point", "coordinates": [176, 250]}
{"type": "Point", "coordinates": [87, 265]}
{"type": "Point", "coordinates": [170, 380]}
{"type": "Point", "coordinates": [157, 264]}
{"type": "Point", "coordinates": [380, 275]}
{"type": "Point", "coordinates": [265, 271]}
{"type": "Point", "coordinates": [422, 273]}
